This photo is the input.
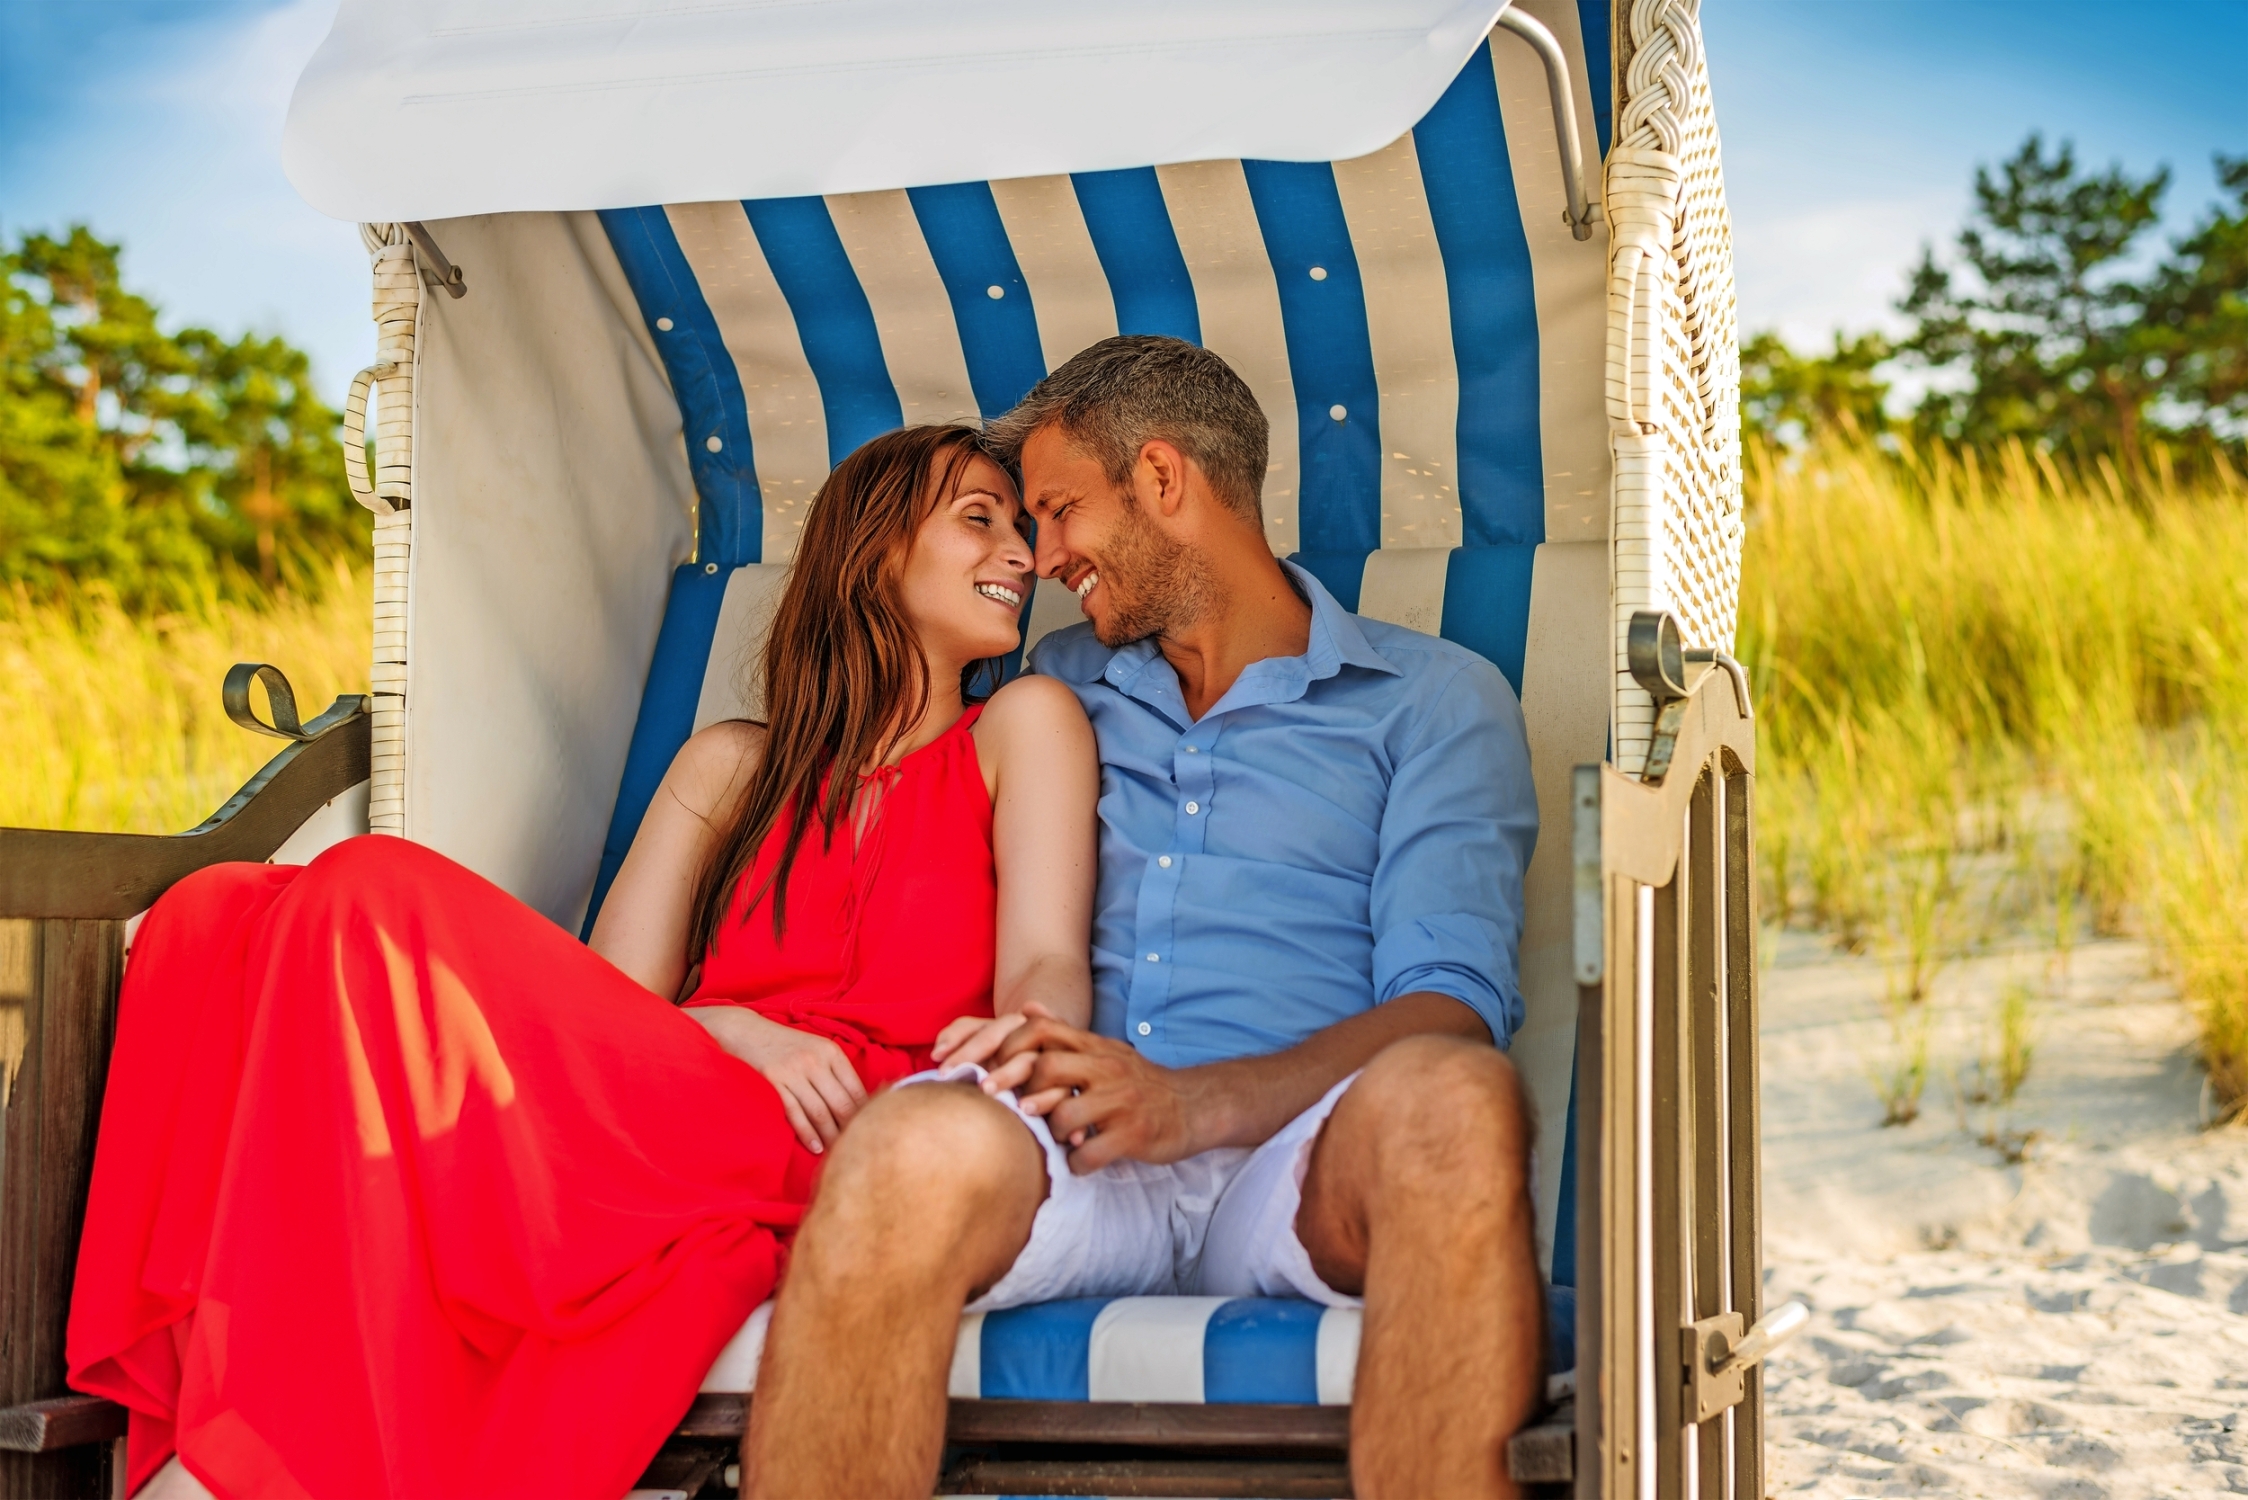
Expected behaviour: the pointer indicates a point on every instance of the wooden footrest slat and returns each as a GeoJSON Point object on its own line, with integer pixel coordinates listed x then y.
{"type": "Point", "coordinates": [64, 1422]}
{"type": "Point", "coordinates": [1270, 1478]}
{"type": "Point", "coordinates": [1544, 1454]}
{"type": "Point", "coordinates": [1318, 1429]}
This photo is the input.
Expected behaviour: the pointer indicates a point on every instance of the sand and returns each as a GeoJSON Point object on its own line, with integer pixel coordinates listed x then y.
{"type": "Point", "coordinates": [2072, 1323]}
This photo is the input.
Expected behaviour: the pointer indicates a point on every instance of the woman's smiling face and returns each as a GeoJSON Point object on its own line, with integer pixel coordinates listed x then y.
{"type": "Point", "coordinates": [969, 570]}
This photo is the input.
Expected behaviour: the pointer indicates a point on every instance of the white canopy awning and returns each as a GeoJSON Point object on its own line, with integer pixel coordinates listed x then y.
{"type": "Point", "coordinates": [434, 109]}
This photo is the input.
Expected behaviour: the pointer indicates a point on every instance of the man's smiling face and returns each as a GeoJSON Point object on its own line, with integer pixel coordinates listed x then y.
{"type": "Point", "coordinates": [1131, 578]}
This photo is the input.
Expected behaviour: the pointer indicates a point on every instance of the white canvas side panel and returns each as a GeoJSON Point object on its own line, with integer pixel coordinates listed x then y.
{"type": "Point", "coordinates": [1570, 276]}
{"type": "Point", "coordinates": [551, 502]}
{"type": "Point", "coordinates": [333, 821]}
{"type": "Point", "coordinates": [1565, 701]}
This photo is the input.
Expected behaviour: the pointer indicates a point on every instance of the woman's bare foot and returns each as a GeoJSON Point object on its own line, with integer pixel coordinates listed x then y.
{"type": "Point", "coordinates": [173, 1482]}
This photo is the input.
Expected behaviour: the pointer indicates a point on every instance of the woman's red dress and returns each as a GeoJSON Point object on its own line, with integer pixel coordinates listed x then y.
{"type": "Point", "coordinates": [401, 1190]}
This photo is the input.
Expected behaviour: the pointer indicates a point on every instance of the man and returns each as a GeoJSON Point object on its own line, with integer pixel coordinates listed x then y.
{"type": "Point", "coordinates": [1313, 833]}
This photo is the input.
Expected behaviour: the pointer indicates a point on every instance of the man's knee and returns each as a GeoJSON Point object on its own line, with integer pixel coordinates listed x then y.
{"type": "Point", "coordinates": [930, 1159]}
{"type": "Point", "coordinates": [1440, 1103]}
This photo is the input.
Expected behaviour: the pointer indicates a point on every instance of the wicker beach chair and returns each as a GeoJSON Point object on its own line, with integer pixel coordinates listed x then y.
{"type": "Point", "coordinates": [1502, 383]}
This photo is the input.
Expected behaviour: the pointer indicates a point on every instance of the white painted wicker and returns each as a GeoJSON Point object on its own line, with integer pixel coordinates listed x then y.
{"type": "Point", "coordinates": [390, 495]}
{"type": "Point", "coordinates": [1673, 356]}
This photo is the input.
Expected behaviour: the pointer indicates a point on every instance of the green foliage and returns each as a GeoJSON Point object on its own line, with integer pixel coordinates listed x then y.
{"type": "Point", "coordinates": [1792, 398]}
{"type": "Point", "coordinates": [2049, 325]}
{"type": "Point", "coordinates": [164, 468]}
{"type": "Point", "coordinates": [2197, 312]}
{"type": "Point", "coordinates": [2054, 324]}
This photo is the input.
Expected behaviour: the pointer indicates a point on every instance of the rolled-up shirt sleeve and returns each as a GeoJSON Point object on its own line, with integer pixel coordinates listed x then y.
{"type": "Point", "coordinates": [1456, 835]}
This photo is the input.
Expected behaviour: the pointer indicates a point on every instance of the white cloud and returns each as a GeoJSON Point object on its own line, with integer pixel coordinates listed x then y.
{"type": "Point", "coordinates": [1810, 271]}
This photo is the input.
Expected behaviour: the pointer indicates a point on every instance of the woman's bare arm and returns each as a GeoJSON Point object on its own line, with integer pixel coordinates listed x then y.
{"type": "Point", "coordinates": [1044, 775]}
{"type": "Point", "coordinates": [642, 928]}
{"type": "Point", "coordinates": [643, 931]}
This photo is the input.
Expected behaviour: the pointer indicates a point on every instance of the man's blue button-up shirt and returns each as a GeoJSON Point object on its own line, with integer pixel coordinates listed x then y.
{"type": "Point", "coordinates": [1341, 828]}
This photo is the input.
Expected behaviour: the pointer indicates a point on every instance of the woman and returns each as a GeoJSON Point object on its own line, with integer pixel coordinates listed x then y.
{"type": "Point", "coordinates": [400, 1190]}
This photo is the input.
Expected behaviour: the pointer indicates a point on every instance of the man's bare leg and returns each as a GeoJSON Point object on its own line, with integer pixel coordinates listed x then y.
{"type": "Point", "coordinates": [1418, 1199]}
{"type": "Point", "coordinates": [926, 1202]}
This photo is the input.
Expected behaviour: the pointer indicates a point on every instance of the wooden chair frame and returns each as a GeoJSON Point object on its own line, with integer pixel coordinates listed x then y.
{"type": "Point", "coordinates": [1668, 1220]}
{"type": "Point", "coordinates": [1669, 1270]}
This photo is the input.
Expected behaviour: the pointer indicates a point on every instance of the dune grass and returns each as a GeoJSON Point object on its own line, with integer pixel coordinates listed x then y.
{"type": "Point", "coordinates": [111, 722]}
{"type": "Point", "coordinates": [1999, 700]}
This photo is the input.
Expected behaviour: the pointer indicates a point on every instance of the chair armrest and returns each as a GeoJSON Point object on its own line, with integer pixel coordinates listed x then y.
{"type": "Point", "coordinates": [47, 872]}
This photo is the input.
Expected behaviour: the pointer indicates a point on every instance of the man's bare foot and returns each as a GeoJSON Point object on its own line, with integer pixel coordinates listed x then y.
{"type": "Point", "coordinates": [173, 1482]}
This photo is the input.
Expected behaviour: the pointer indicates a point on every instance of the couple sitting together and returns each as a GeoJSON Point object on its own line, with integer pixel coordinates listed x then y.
{"type": "Point", "coordinates": [1182, 963]}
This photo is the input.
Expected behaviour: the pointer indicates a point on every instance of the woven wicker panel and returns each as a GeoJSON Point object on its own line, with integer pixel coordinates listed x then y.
{"type": "Point", "coordinates": [1673, 356]}
{"type": "Point", "coordinates": [397, 307]}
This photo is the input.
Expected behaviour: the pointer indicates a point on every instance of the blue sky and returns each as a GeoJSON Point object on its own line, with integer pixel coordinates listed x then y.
{"type": "Point", "coordinates": [1851, 129]}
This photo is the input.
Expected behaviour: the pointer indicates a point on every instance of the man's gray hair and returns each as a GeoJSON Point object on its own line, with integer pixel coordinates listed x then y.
{"type": "Point", "coordinates": [1114, 397]}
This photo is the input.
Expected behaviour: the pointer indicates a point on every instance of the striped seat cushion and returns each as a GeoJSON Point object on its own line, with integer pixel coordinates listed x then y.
{"type": "Point", "coordinates": [1196, 1350]}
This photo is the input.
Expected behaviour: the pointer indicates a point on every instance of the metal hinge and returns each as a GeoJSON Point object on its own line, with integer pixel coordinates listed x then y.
{"type": "Point", "coordinates": [1719, 1355]}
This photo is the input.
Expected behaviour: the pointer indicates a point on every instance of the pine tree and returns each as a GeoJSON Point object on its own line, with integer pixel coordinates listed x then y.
{"type": "Point", "coordinates": [164, 467]}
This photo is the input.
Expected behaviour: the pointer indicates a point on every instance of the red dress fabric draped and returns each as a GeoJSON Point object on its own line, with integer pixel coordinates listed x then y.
{"type": "Point", "coordinates": [401, 1190]}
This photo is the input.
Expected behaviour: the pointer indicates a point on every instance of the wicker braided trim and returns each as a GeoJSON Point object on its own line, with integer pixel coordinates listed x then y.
{"type": "Point", "coordinates": [397, 308]}
{"type": "Point", "coordinates": [1673, 356]}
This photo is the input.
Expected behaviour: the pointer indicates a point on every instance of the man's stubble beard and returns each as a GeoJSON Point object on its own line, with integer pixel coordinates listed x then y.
{"type": "Point", "coordinates": [1154, 584]}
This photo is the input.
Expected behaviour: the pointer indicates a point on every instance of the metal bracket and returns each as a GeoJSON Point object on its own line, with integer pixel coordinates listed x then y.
{"type": "Point", "coordinates": [1713, 1382]}
{"type": "Point", "coordinates": [436, 269]}
{"type": "Point", "coordinates": [1582, 211]}
{"type": "Point", "coordinates": [1655, 652]}
{"type": "Point", "coordinates": [1670, 671]}
{"type": "Point", "coordinates": [1719, 1355]}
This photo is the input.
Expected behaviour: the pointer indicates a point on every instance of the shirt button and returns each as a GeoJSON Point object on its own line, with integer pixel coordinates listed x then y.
{"type": "Point", "coordinates": [1192, 808]}
{"type": "Point", "coordinates": [1145, 1028]}
{"type": "Point", "coordinates": [1164, 860]}
{"type": "Point", "coordinates": [1190, 749]}
{"type": "Point", "coordinates": [1155, 958]}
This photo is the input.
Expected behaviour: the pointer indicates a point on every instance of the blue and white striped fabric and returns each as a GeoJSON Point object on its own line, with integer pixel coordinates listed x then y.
{"type": "Point", "coordinates": [1419, 325]}
{"type": "Point", "coordinates": [1196, 1350]}
{"type": "Point", "coordinates": [1388, 312]}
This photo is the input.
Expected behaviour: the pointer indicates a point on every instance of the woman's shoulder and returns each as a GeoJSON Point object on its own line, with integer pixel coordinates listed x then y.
{"type": "Point", "coordinates": [1034, 720]}
{"type": "Point", "coordinates": [711, 768]}
{"type": "Point", "coordinates": [1032, 704]}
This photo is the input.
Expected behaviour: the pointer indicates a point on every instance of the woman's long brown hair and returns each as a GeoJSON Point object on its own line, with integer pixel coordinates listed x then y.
{"type": "Point", "coordinates": [844, 676]}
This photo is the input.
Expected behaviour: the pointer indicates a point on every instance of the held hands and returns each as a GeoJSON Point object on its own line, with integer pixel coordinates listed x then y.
{"type": "Point", "coordinates": [1099, 1096]}
{"type": "Point", "coordinates": [971, 1039]}
{"type": "Point", "coordinates": [819, 1088]}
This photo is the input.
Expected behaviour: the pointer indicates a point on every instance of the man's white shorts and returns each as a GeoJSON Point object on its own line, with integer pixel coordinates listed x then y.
{"type": "Point", "coordinates": [1222, 1224]}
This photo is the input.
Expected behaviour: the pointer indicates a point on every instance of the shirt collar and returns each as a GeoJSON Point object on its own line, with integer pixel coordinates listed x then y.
{"type": "Point", "coordinates": [1343, 634]}
{"type": "Point", "coordinates": [1336, 641]}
